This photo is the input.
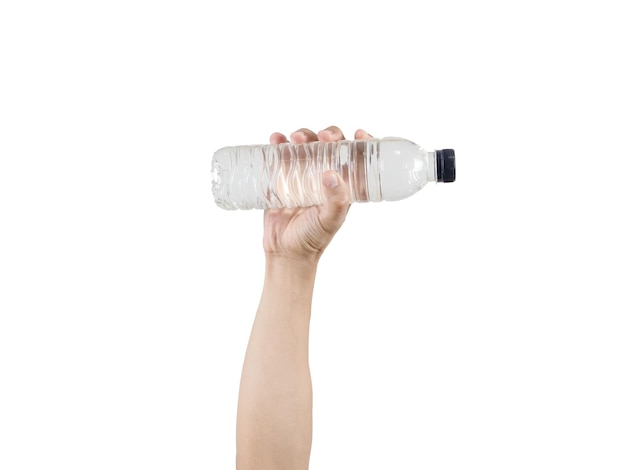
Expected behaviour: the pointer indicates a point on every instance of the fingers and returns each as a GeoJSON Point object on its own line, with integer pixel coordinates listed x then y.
{"type": "Point", "coordinates": [360, 134]}
{"type": "Point", "coordinates": [330, 134]}
{"type": "Point", "coordinates": [300, 136]}
{"type": "Point", "coordinates": [336, 202]}
{"type": "Point", "coordinates": [277, 138]}
{"type": "Point", "coordinates": [303, 135]}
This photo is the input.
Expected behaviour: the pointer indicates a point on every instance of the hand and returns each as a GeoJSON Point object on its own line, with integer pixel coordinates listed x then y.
{"type": "Point", "coordinates": [302, 234]}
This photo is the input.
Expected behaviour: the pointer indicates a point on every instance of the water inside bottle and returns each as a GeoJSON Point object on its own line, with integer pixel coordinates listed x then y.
{"type": "Point", "coordinates": [299, 171]}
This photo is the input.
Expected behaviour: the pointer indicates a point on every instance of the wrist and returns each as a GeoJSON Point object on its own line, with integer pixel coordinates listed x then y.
{"type": "Point", "coordinates": [292, 272]}
{"type": "Point", "coordinates": [294, 268]}
{"type": "Point", "coordinates": [289, 282]}
{"type": "Point", "coordinates": [288, 263]}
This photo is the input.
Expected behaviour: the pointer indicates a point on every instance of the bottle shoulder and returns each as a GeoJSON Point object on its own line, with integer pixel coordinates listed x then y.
{"type": "Point", "coordinates": [395, 147]}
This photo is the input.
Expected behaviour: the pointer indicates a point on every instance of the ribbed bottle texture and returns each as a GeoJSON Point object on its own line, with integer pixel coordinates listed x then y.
{"type": "Point", "coordinates": [290, 175]}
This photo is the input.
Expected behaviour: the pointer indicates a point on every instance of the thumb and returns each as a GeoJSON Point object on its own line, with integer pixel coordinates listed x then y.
{"type": "Point", "coordinates": [336, 202]}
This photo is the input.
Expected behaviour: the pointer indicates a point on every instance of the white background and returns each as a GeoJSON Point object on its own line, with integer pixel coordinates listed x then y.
{"type": "Point", "coordinates": [478, 324]}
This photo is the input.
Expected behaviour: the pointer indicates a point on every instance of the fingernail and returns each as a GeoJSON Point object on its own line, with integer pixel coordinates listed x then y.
{"type": "Point", "coordinates": [298, 134]}
{"type": "Point", "coordinates": [331, 181]}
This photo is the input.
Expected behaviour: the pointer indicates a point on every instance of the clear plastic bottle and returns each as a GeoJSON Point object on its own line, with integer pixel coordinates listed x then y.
{"type": "Point", "coordinates": [290, 175]}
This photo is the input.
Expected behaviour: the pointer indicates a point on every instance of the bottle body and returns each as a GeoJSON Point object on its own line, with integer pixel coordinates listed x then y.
{"type": "Point", "coordinates": [290, 175]}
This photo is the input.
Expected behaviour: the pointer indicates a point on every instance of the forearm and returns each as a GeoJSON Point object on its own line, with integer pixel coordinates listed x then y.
{"type": "Point", "coordinates": [275, 399]}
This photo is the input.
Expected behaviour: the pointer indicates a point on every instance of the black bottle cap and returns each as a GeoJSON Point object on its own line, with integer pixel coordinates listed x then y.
{"type": "Point", "coordinates": [446, 168]}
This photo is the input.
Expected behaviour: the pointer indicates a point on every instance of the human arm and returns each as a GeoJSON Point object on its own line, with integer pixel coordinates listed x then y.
{"type": "Point", "coordinates": [274, 417]}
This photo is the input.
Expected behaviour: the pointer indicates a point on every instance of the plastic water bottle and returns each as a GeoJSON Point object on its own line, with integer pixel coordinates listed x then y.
{"type": "Point", "coordinates": [290, 175]}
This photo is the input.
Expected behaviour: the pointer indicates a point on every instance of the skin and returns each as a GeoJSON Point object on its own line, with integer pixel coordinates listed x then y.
{"type": "Point", "coordinates": [274, 414]}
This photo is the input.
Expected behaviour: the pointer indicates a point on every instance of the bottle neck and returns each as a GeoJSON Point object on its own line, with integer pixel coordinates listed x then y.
{"type": "Point", "coordinates": [432, 166]}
